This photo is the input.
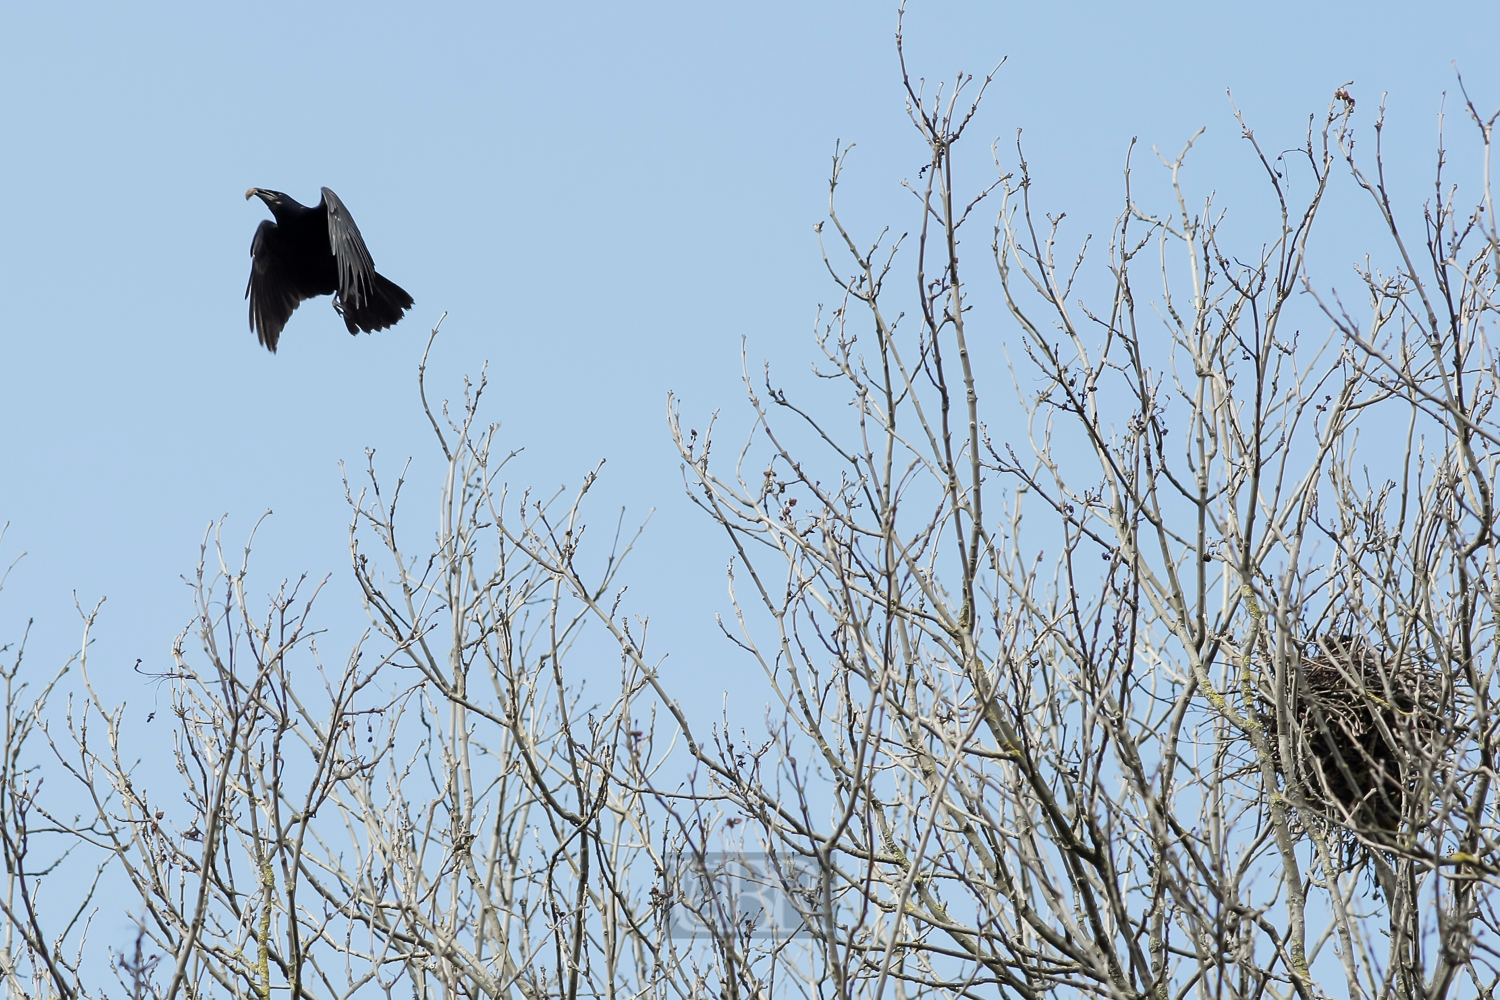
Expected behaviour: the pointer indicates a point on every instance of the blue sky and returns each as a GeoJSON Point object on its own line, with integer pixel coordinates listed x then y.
{"type": "Point", "coordinates": [605, 198]}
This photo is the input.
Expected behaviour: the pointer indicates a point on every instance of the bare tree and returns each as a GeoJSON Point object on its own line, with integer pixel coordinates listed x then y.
{"type": "Point", "coordinates": [435, 806]}
{"type": "Point", "coordinates": [1125, 696]}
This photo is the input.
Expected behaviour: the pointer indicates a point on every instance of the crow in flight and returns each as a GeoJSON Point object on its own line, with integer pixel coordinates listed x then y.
{"type": "Point", "coordinates": [315, 251]}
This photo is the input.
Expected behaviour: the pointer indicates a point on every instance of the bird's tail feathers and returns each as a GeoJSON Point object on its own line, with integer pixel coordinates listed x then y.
{"type": "Point", "coordinates": [383, 306]}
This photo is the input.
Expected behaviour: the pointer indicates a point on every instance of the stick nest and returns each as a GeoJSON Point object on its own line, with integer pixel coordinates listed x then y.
{"type": "Point", "coordinates": [1366, 727]}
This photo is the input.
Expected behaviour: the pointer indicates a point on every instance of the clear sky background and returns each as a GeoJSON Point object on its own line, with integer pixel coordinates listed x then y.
{"type": "Point", "coordinates": [605, 198]}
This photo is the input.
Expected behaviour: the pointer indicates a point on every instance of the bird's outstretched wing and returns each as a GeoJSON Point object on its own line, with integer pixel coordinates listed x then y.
{"type": "Point", "coordinates": [272, 295]}
{"type": "Point", "coordinates": [356, 269]}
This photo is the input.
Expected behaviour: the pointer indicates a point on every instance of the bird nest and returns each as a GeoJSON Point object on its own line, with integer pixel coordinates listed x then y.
{"type": "Point", "coordinates": [1366, 726]}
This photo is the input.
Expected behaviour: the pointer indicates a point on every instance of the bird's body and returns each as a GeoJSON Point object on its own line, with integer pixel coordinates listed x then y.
{"type": "Point", "coordinates": [311, 251]}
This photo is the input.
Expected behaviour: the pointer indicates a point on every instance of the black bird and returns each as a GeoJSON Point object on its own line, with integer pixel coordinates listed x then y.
{"type": "Point", "coordinates": [315, 251]}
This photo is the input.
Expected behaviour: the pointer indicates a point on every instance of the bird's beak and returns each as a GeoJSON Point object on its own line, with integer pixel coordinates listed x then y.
{"type": "Point", "coordinates": [251, 193]}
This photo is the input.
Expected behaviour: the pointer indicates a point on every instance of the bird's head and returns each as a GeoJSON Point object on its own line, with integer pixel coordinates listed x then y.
{"type": "Point", "coordinates": [277, 202]}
